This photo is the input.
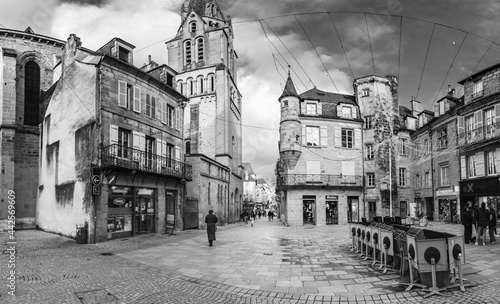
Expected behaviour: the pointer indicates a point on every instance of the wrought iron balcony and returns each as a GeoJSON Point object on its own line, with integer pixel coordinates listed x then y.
{"type": "Point", "coordinates": [125, 157]}
{"type": "Point", "coordinates": [478, 134]}
{"type": "Point", "coordinates": [320, 180]}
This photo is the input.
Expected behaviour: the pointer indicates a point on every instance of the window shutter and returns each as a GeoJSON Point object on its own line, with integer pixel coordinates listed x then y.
{"type": "Point", "coordinates": [159, 148]}
{"type": "Point", "coordinates": [153, 107]}
{"type": "Point", "coordinates": [479, 119]}
{"type": "Point", "coordinates": [408, 177]}
{"type": "Point", "coordinates": [319, 109]}
{"type": "Point", "coordinates": [324, 136]}
{"type": "Point", "coordinates": [354, 112]}
{"type": "Point", "coordinates": [337, 140]}
{"type": "Point", "coordinates": [304, 139]}
{"type": "Point", "coordinates": [479, 157]}
{"type": "Point", "coordinates": [122, 94]}
{"type": "Point", "coordinates": [148, 110]}
{"type": "Point", "coordinates": [136, 140]}
{"type": "Point", "coordinates": [497, 160]}
{"type": "Point", "coordinates": [303, 108]}
{"type": "Point", "coordinates": [357, 139]}
{"type": "Point", "coordinates": [461, 123]}
{"type": "Point", "coordinates": [137, 100]}
{"type": "Point", "coordinates": [339, 110]}
{"type": "Point", "coordinates": [113, 134]}
{"type": "Point", "coordinates": [348, 168]}
{"type": "Point", "coordinates": [463, 167]}
{"type": "Point", "coordinates": [497, 113]}
{"type": "Point", "coordinates": [177, 118]}
{"type": "Point", "coordinates": [163, 111]}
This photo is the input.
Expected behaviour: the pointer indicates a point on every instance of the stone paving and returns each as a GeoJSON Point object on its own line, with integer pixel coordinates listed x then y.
{"type": "Point", "coordinates": [267, 263]}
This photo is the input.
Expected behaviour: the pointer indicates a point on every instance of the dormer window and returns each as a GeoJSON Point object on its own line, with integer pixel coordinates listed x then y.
{"type": "Point", "coordinates": [477, 89]}
{"type": "Point", "coordinates": [311, 109]}
{"type": "Point", "coordinates": [192, 27]}
{"type": "Point", "coordinates": [123, 54]}
{"type": "Point", "coordinates": [346, 112]}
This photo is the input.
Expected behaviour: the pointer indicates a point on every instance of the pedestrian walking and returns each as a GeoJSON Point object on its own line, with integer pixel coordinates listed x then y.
{"type": "Point", "coordinates": [252, 216]}
{"type": "Point", "coordinates": [483, 218]}
{"type": "Point", "coordinates": [246, 217]}
{"type": "Point", "coordinates": [492, 225]}
{"type": "Point", "coordinates": [467, 222]}
{"type": "Point", "coordinates": [211, 221]}
{"type": "Point", "coordinates": [474, 218]}
{"type": "Point", "coordinates": [259, 214]}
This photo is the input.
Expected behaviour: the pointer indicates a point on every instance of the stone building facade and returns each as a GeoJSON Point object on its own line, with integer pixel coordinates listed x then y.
{"type": "Point", "coordinates": [27, 63]}
{"type": "Point", "coordinates": [111, 147]}
{"type": "Point", "coordinates": [478, 129]}
{"type": "Point", "coordinates": [319, 173]}
{"type": "Point", "coordinates": [203, 55]}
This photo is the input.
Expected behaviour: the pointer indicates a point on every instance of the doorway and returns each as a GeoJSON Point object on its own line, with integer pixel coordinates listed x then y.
{"type": "Point", "coordinates": [144, 211]}
{"type": "Point", "coordinates": [403, 209]}
{"type": "Point", "coordinates": [332, 213]}
{"type": "Point", "coordinates": [429, 208]}
{"type": "Point", "coordinates": [352, 209]}
{"type": "Point", "coordinates": [308, 211]}
{"type": "Point", "coordinates": [372, 210]}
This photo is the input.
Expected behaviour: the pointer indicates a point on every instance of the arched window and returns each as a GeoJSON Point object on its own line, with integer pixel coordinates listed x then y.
{"type": "Point", "coordinates": [200, 48]}
{"type": "Point", "coordinates": [180, 87]}
{"type": "Point", "coordinates": [187, 52]}
{"type": "Point", "coordinates": [200, 82]}
{"type": "Point", "coordinates": [211, 83]}
{"type": "Point", "coordinates": [31, 93]}
{"type": "Point", "coordinates": [188, 147]}
{"type": "Point", "coordinates": [190, 87]}
{"type": "Point", "coordinates": [192, 27]}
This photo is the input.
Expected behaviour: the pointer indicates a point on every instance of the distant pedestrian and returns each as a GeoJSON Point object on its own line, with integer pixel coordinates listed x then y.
{"type": "Point", "coordinates": [252, 216]}
{"type": "Point", "coordinates": [474, 218]}
{"type": "Point", "coordinates": [259, 214]}
{"type": "Point", "coordinates": [467, 222]}
{"type": "Point", "coordinates": [483, 218]}
{"type": "Point", "coordinates": [271, 215]}
{"type": "Point", "coordinates": [211, 221]}
{"type": "Point", "coordinates": [246, 217]}
{"type": "Point", "coordinates": [492, 225]}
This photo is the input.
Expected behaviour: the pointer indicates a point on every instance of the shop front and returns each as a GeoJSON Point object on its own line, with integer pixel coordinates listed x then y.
{"type": "Point", "coordinates": [332, 209]}
{"type": "Point", "coordinates": [484, 190]}
{"type": "Point", "coordinates": [448, 205]}
{"type": "Point", "coordinates": [131, 211]}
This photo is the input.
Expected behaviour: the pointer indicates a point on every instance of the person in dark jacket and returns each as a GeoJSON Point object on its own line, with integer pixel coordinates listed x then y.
{"type": "Point", "coordinates": [483, 218]}
{"type": "Point", "coordinates": [492, 225]}
{"type": "Point", "coordinates": [211, 221]}
{"type": "Point", "coordinates": [467, 222]}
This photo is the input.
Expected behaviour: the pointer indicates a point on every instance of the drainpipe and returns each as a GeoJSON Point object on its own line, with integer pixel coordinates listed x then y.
{"type": "Point", "coordinates": [228, 197]}
{"type": "Point", "coordinates": [432, 170]}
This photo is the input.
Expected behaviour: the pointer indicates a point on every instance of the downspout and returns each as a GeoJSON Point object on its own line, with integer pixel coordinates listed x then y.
{"type": "Point", "coordinates": [228, 197]}
{"type": "Point", "coordinates": [97, 106]}
{"type": "Point", "coordinates": [432, 169]}
{"type": "Point", "coordinates": [363, 168]}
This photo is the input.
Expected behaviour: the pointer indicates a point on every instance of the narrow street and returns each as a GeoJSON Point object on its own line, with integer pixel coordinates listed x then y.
{"type": "Point", "coordinates": [267, 263]}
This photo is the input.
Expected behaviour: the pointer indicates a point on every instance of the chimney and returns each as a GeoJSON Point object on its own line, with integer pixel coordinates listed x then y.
{"type": "Point", "coordinates": [183, 12]}
{"type": "Point", "coordinates": [415, 106]}
{"type": "Point", "coordinates": [149, 59]}
{"type": "Point", "coordinates": [72, 45]}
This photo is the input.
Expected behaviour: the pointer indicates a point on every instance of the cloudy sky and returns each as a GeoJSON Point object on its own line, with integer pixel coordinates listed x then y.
{"type": "Point", "coordinates": [463, 37]}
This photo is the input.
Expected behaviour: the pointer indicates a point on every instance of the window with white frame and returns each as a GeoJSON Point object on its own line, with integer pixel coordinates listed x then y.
{"type": "Point", "coordinates": [489, 119]}
{"type": "Point", "coordinates": [478, 89]}
{"type": "Point", "coordinates": [370, 179]}
{"type": "Point", "coordinates": [365, 92]}
{"type": "Point", "coordinates": [170, 116]}
{"type": "Point", "coordinates": [471, 163]}
{"type": "Point", "coordinates": [469, 125]}
{"type": "Point", "coordinates": [150, 106]}
{"type": "Point", "coordinates": [402, 177]}
{"type": "Point", "coordinates": [368, 122]}
{"type": "Point", "coordinates": [403, 147]}
{"type": "Point", "coordinates": [428, 179]}
{"type": "Point", "coordinates": [444, 171]}
{"type": "Point", "coordinates": [492, 169]}
{"type": "Point", "coordinates": [347, 138]}
{"type": "Point", "coordinates": [369, 151]}
{"type": "Point", "coordinates": [442, 138]}
{"type": "Point", "coordinates": [346, 112]}
{"type": "Point", "coordinates": [311, 108]}
{"type": "Point", "coordinates": [312, 136]}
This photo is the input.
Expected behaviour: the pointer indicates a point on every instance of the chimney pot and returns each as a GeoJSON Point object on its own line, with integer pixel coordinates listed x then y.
{"type": "Point", "coordinates": [149, 59]}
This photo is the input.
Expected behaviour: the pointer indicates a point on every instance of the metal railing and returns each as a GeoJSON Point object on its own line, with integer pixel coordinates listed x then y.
{"type": "Point", "coordinates": [478, 134]}
{"type": "Point", "coordinates": [320, 180]}
{"type": "Point", "coordinates": [125, 157]}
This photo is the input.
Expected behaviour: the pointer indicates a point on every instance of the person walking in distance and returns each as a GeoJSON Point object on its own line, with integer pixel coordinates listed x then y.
{"type": "Point", "coordinates": [252, 216]}
{"type": "Point", "coordinates": [483, 218]}
{"type": "Point", "coordinates": [246, 218]}
{"type": "Point", "coordinates": [211, 221]}
{"type": "Point", "coordinates": [492, 225]}
{"type": "Point", "coordinates": [467, 222]}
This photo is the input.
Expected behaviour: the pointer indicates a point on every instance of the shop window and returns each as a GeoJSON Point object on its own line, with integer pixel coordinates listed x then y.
{"type": "Point", "coordinates": [31, 93]}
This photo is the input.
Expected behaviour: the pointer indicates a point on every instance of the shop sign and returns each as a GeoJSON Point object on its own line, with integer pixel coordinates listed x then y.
{"type": "Point", "coordinates": [170, 193]}
{"type": "Point", "coordinates": [119, 201]}
{"type": "Point", "coordinates": [120, 190]}
{"type": "Point", "coordinates": [445, 193]}
{"type": "Point", "coordinates": [482, 186]}
{"type": "Point", "coordinates": [332, 197]}
{"type": "Point", "coordinates": [145, 191]}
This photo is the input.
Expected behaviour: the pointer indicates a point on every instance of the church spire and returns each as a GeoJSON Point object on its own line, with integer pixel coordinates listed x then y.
{"type": "Point", "coordinates": [289, 87]}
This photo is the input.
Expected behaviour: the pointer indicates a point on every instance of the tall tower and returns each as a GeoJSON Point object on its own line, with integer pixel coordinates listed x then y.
{"type": "Point", "coordinates": [203, 55]}
{"type": "Point", "coordinates": [290, 126]}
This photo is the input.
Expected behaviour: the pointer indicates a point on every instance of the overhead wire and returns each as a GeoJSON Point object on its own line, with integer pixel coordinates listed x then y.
{"type": "Point", "coordinates": [449, 69]}
{"type": "Point", "coordinates": [477, 65]}
{"type": "Point", "coordinates": [370, 43]}
{"type": "Point", "coordinates": [341, 45]}
{"type": "Point", "coordinates": [425, 60]}
{"type": "Point", "coordinates": [317, 53]}
{"type": "Point", "coordinates": [400, 44]}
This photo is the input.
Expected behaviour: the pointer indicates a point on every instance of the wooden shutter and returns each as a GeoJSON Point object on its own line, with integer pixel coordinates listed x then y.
{"type": "Point", "coordinates": [478, 117]}
{"type": "Point", "coordinates": [339, 110]}
{"type": "Point", "coordinates": [159, 148]}
{"type": "Point", "coordinates": [497, 114]}
{"type": "Point", "coordinates": [337, 138]}
{"type": "Point", "coordinates": [460, 123]}
{"type": "Point", "coordinates": [479, 157]}
{"type": "Point", "coordinates": [357, 139]}
{"type": "Point", "coordinates": [136, 140]}
{"type": "Point", "coordinates": [122, 94]}
{"type": "Point", "coordinates": [302, 108]}
{"type": "Point", "coordinates": [319, 109]}
{"type": "Point", "coordinates": [177, 118]}
{"type": "Point", "coordinates": [177, 153]}
{"type": "Point", "coordinates": [408, 177]}
{"type": "Point", "coordinates": [153, 107]}
{"type": "Point", "coordinates": [354, 112]}
{"type": "Point", "coordinates": [137, 100]}
{"type": "Point", "coordinates": [113, 134]}
{"type": "Point", "coordinates": [304, 139]}
{"type": "Point", "coordinates": [463, 167]}
{"type": "Point", "coordinates": [163, 111]}
{"type": "Point", "coordinates": [324, 136]}
{"type": "Point", "coordinates": [348, 168]}
{"type": "Point", "coordinates": [497, 160]}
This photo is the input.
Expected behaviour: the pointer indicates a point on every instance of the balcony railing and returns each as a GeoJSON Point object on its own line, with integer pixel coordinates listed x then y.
{"type": "Point", "coordinates": [125, 157]}
{"type": "Point", "coordinates": [478, 134]}
{"type": "Point", "coordinates": [320, 180]}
